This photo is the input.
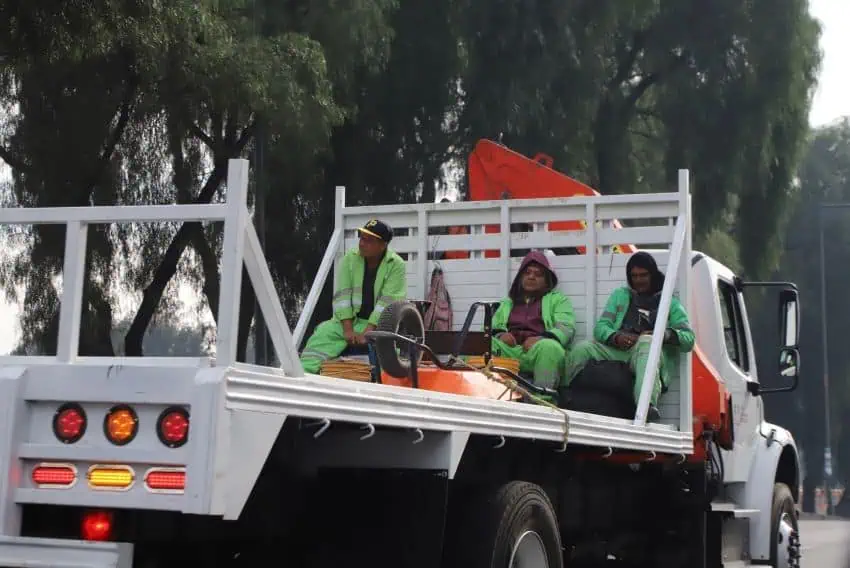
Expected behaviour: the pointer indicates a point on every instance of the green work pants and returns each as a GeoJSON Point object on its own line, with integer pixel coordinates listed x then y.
{"type": "Point", "coordinates": [327, 342]}
{"type": "Point", "coordinates": [545, 360]}
{"type": "Point", "coordinates": [636, 357]}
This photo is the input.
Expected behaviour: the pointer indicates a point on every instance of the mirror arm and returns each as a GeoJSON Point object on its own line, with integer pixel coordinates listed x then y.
{"type": "Point", "coordinates": [779, 389]}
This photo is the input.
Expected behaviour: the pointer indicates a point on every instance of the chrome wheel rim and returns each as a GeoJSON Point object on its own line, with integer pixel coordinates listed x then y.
{"type": "Point", "coordinates": [788, 551]}
{"type": "Point", "coordinates": [529, 552]}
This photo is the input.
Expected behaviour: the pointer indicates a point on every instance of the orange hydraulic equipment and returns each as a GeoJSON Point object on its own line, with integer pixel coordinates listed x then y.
{"type": "Point", "coordinates": [497, 172]}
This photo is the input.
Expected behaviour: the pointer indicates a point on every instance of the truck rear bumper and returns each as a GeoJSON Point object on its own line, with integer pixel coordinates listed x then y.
{"type": "Point", "coordinates": [59, 553]}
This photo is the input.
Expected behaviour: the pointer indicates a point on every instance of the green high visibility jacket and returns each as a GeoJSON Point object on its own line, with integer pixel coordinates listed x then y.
{"type": "Point", "coordinates": [558, 317]}
{"type": "Point", "coordinates": [615, 311]}
{"type": "Point", "coordinates": [390, 285]}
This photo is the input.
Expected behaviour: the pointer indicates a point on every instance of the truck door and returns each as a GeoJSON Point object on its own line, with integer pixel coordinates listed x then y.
{"type": "Point", "coordinates": [738, 370]}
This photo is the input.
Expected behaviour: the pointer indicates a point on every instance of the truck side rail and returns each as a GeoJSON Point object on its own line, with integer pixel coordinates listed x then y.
{"type": "Point", "coordinates": [415, 225]}
{"type": "Point", "coordinates": [241, 244]}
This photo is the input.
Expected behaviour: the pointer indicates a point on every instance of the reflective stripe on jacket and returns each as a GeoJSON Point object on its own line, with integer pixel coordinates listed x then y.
{"type": "Point", "coordinates": [390, 285]}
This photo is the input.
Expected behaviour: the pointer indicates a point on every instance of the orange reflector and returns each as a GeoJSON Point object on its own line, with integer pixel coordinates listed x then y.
{"type": "Point", "coordinates": [166, 480]}
{"type": "Point", "coordinates": [54, 476]}
{"type": "Point", "coordinates": [115, 477]}
{"type": "Point", "coordinates": [121, 425]}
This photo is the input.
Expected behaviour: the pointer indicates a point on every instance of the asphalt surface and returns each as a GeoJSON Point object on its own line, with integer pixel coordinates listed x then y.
{"type": "Point", "coordinates": [826, 543]}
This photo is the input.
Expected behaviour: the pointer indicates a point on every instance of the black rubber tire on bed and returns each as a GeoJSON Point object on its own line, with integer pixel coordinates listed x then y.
{"type": "Point", "coordinates": [485, 525]}
{"type": "Point", "coordinates": [399, 317]}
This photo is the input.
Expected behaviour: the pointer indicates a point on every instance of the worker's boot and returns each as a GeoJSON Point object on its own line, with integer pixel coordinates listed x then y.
{"type": "Point", "coordinates": [652, 414]}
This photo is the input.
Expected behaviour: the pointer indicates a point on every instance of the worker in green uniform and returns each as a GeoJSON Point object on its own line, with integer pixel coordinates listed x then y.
{"type": "Point", "coordinates": [370, 278]}
{"type": "Point", "coordinates": [624, 330]}
{"type": "Point", "coordinates": [535, 323]}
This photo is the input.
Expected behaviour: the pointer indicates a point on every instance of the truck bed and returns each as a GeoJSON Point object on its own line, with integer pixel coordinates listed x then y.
{"type": "Point", "coordinates": [237, 410]}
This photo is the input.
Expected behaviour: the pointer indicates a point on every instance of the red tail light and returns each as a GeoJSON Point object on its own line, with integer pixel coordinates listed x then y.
{"type": "Point", "coordinates": [69, 423]}
{"type": "Point", "coordinates": [172, 427]}
{"type": "Point", "coordinates": [166, 480]}
{"type": "Point", "coordinates": [96, 525]}
{"type": "Point", "coordinates": [54, 476]}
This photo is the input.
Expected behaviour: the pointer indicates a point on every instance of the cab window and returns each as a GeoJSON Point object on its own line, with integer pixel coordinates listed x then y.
{"type": "Point", "coordinates": [733, 325]}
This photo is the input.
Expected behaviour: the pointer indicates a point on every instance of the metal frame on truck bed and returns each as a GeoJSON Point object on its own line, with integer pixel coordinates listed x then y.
{"type": "Point", "coordinates": [237, 410]}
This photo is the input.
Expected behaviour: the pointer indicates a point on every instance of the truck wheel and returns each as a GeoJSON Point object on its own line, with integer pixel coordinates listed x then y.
{"type": "Point", "coordinates": [785, 549]}
{"type": "Point", "coordinates": [514, 527]}
{"type": "Point", "coordinates": [402, 318]}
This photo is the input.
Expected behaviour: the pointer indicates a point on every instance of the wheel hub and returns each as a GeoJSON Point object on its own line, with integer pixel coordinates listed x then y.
{"type": "Point", "coordinates": [529, 552]}
{"type": "Point", "coordinates": [788, 550]}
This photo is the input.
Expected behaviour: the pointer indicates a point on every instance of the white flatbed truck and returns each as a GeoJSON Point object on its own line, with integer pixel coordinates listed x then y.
{"type": "Point", "coordinates": [159, 461]}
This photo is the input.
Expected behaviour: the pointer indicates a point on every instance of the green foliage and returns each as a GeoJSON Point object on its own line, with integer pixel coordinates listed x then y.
{"type": "Point", "coordinates": [143, 102]}
{"type": "Point", "coordinates": [824, 177]}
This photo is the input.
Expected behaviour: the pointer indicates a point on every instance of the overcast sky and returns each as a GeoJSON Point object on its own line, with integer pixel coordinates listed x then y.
{"type": "Point", "coordinates": [831, 101]}
{"type": "Point", "coordinates": [833, 96]}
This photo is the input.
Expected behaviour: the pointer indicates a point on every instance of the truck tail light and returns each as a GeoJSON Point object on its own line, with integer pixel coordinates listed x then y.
{"type": "Point", "coordinates": [172, 427]}
{"type": "Point", "coordinates": [111, 477]}
{"type": "Point", "coordinates": [96, 525]}
{"type": "Point", "coordinates": [69, 423]}
{"type": "Point", "coordinates": [166, 480]}
{"type": "Point", "coordinates": [54, 476]}
{"type": "Point", "coordinates": [121, 425]}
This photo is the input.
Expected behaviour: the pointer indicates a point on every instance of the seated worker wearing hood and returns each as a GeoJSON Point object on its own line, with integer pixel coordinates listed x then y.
{"type": "Point", "coordinates": [370, 278]}
{"type": "Point", "coordinates": [624, 330]}
{"type": "Point", "coordinates": [535, 323]}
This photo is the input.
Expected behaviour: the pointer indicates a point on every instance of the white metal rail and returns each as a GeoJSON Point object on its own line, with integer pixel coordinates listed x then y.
{"type": "Point", "coordinates": [241, 244]}
{"type": "Point", "coordinates": [599, 214]}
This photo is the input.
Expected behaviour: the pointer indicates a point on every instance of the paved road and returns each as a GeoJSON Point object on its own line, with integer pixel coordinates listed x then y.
{"type": "Point", "coordinates": [826, 544]}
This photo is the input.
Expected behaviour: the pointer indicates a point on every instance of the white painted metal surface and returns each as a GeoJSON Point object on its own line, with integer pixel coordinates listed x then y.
{"type": "Point", "coordinates": [230, 401]}
{"type": "Point", "coordinates": [586, 279]}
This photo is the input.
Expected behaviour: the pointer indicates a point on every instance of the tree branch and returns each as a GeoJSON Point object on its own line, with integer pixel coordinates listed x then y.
{"type": "Point", "coordinates": [205, 138]}
{"type": "Point", "coordinates": [654, 78]}
{"type": "Point", "coordinates": [168, 266]}
{"type": "Point", "coordinates": [14, 162]}
{"type": "Point", "coordinates": [627, 62]}
{"type": "Point", "coordinates": [209, 264]}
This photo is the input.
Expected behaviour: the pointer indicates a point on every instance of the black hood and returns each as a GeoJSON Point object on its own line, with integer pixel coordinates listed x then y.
{"type": "Point", "coordinates": [647, 262]}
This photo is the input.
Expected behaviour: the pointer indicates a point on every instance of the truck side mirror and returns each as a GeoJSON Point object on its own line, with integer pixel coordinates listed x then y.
{"type": "Point", "coordinates": [789, 318]}
{"type": "Point", "coordinates": [789, 365]}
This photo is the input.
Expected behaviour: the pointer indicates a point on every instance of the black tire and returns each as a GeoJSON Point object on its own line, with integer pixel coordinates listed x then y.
{"type": "Point", "coordinates": [783, 506]}
{"type": "Point", "coordinates": [402, 318]}
{"type": "Point", "coordinates": [485, 527]}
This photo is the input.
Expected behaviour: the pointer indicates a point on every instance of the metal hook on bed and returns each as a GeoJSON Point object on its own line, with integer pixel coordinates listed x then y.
{"type": "Point", "coordinates": [326, 423]}
{"type": "Point", "coordinates": [419, 435]}
{"type": "Point", "coordinates": [682, 458]}
{"type": "Point", "coordinates": [563, 448]}
{"type": "Point", "coordinates": [608, 453]}
{"type": "Point", "coordinates": [370, 433]}
{"type": "Point", "coordinates": [652, 456]}
{"type": "Point", "coordinates": [500, 444]}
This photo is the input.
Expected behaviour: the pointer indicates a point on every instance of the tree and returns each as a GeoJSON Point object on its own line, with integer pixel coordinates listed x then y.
{"type": "Point", "coordinates": [824, 176]}
{"type": "Point", "coordinates": [624, 94]}
{"type": "Point", "coordinates": [198, 78]}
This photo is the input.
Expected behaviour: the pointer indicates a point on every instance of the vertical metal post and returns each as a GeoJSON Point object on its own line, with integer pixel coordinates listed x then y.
{"type": "Point", "coordinates": [260, 187]}
{"type": "Point", "coordinates": [826, 401]}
